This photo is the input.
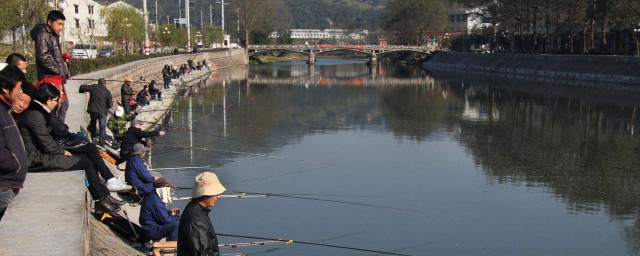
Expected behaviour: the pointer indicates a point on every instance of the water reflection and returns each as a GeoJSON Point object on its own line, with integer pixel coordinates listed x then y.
{"type": "Point", "coordinates": [289, 127]}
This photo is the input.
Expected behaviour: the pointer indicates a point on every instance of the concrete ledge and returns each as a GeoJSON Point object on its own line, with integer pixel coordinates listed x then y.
{"type": "Point", "coordinates": [47, 217]}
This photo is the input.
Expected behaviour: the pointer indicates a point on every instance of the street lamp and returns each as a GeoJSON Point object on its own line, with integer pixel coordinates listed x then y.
{"type": "Point", "coordinates": [198, 40]}
{"type": "Point", "coordinates": [166, 33]}
{"type": "Point", "coordinates": [62, 5]}
{"type": "Point", "coordinates": [238, 16]}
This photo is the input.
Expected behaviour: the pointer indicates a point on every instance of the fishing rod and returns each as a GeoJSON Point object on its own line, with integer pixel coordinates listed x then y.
{"type": "Point", "coordinates": [142, 79]}
{"type": "Point", "coordinates": [217, 150]}
{"type": "Point", "coordinates": [265, 242]}
{"type": "Point", "coordinates": [183, 167]}
{"type": "Point", "coordinates": [222, 196]}
{"type": "Point", "coordinates": [332, 201]}
{"type": "Point", "coordinates": [291, 241]}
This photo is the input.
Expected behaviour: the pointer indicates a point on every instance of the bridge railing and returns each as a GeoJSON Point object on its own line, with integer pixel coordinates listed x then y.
{"type": "Point", "coordinates": [346, 47]}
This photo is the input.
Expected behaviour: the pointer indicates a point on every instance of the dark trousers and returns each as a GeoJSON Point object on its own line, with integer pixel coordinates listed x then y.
{"type": "Point", "coordinates": [156, 94]}
{"type": "Point", "coordinates": [169, 230]}
{"type": "Point", "coordinates": [94, 167]}
{"type": "Point", "coordinates": [101, 119]}
{"type": "Point", "coordinates": [62, 110]}
{"type": "Point", "coordinates": [6, 196]}
{"type": "Point", "coordinates": [126, 106]}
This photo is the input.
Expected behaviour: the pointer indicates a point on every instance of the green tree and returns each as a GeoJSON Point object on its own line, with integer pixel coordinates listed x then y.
{"type": "Point", "coordinates": [211, 34]}
{"type": "Point", "coordinates": [124, 23]}
{"type": "Point", "coordinates": [409, 20]}
{"type": "Point", "coordinates": [22, 13]}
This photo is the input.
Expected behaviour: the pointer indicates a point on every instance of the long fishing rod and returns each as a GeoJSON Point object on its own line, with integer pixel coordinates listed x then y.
{"type": "Point", "coordinates": [291, 241]}
{"type": "Point", "coordinates": [184, 167]}
{"type": "Point", "coordinates": [222, 196]}
{"type": "Point", "coordinates": [332, 201]}
{"type": "Point", "coordinates": [217, 150]}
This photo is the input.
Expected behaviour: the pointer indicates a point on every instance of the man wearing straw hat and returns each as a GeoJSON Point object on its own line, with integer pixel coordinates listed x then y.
{"type": "Point", "coordinates": [196, 235]}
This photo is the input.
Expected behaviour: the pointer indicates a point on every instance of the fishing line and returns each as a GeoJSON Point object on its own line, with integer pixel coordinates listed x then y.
{"type": "Point", "coordinates": [338, 201]}
{"type": "Point", "coordinates": [218, 150]}
{"type": "Point", "coordinates": [291, 241]}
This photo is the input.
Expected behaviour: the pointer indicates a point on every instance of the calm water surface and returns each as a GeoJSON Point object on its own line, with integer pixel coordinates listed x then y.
{"type": "Point", "coordinates": [411, 161]}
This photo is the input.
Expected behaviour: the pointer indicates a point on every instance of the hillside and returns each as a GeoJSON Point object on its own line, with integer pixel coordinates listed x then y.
{"type": "Point", "coordinates": [318, 14]}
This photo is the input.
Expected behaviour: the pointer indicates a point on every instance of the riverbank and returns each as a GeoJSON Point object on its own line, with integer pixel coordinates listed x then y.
{"type": "Point", "coordinates": [51, 215]}
{"type": "Point", "coordinates": [552, 68]}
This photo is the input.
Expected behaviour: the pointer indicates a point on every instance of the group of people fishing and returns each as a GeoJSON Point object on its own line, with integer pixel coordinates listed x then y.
{"type": "Point", "coordinates": [35, 138]}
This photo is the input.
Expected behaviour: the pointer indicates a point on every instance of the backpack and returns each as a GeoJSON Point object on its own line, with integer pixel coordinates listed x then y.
{"type": "Point", "coordinates": [122, 226]}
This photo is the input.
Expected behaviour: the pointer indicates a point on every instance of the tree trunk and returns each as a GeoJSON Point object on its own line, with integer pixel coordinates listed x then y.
{"type": "Point", "coordinates": [13, 35]}
{"type": "Point", "coordinates": [246, 39]}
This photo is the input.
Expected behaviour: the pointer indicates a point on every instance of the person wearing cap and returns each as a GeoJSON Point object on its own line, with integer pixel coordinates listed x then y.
{"type": "Point", "coordinates": [196, 235]}
{"type": "Point", "coordinates": [126, 92]}
{"type": "Point", "coordinates": [100, 101]}
{"type": "Point", "coordinates": [135, 135]}
{"type": "Point", "coordinates": [156, 220]}
{"type": "Point", "coordinates": [117, 123]}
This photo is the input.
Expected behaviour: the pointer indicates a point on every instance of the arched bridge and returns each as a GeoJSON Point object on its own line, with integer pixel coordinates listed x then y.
{"type": "Point", "coordinates": [312, 49]}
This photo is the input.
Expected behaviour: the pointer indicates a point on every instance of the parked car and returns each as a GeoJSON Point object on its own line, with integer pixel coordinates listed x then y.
{"type": "Point", "coordinates": [84, 51]}
{"type": "Point", "coordinates": [106, 52]}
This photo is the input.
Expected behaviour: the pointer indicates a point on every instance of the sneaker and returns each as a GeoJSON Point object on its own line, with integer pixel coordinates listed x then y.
{"type": "Point", "coordinates": [112, 200]}
{"type": "Point", "coordinates": [103, 205]}
{"type": "Point", "coordinates": [116, 185]}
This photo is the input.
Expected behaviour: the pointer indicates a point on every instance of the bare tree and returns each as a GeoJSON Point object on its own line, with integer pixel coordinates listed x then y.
{"type": "Point", "coordinates": [260, 15]}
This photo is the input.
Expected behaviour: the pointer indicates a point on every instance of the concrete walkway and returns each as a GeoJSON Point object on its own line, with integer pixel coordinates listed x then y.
{"type": "Point", "coordinates": [48, 218]}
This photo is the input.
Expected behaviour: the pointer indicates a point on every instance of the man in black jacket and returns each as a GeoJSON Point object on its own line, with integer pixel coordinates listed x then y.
{"type": "Point", "coordinates": [100, 101]}
{"type": "Point", "coordinates": [49, 60]}
{"type": "Point", "coordinates": [196, 235]}
{"type": "Point", "coordinates": [126, 92]}
{"type": "Point", "coordinates": [135, 135]}
{"type": "Point", "coordinates": [13, 157]}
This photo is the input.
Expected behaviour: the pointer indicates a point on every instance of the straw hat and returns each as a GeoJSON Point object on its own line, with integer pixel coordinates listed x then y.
{"type": "Point", "coordinates": [207, 184]}
{"type": "Point", "coordinates": [127, 79]}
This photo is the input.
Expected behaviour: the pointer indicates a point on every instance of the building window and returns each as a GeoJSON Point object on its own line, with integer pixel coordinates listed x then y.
{"type": "Point", "coordinates": [77, 23]}
{"type": "Point", "coordinates": [91, 23]}
{"type": "Point", "coordinates": [90, 9]}
{"type": "Point", "coordinates": [77, 8]}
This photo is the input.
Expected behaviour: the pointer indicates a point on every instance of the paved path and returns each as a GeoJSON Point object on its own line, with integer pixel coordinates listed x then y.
{"type": "Point", "coordinates": [48, 217]}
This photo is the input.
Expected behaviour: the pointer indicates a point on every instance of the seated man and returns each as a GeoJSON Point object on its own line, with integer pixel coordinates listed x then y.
{"type": "Point", "coordinates": [156, 220]}
{"type": "Point", "coordinates": [155, 91]}
{"type": "Point", "coordinates": [143, 97]}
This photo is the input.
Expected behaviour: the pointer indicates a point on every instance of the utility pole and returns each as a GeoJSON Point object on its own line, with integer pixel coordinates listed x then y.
{"type": "Point", "coordinates": [157, 13]}
{"type": "Point", "coordinates": [179, 10]}
{"type": "Point", "coordinates": [201, 22]}
{"type": "Point", "coordinates": [210, 14]}
{"type": "Point", "coordinates": [186, 12]}
{"type": "Point", "coordinates": [146, 27]}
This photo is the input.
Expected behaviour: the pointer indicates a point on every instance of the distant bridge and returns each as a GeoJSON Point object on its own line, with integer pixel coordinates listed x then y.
{"type": "Point", "coordinates": [352, 82]}
{"type": "Point", "coordinates": [312, 49]}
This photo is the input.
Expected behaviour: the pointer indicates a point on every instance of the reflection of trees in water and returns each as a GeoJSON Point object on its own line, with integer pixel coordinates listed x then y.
{"type": "Point", "coordinates": [583, 152]}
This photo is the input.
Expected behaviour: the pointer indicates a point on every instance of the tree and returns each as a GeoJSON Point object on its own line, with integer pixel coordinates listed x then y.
{"type": "Point", "coordinates": [124, 23]}
{"type": "Point", "coordinates": [411, 19]}
{"type": "Point", "coordinates": [211, 33]}
{"type": "Point", "coordinates": [260, 16]}
{"type": "Point", "coordinates": [22, 13]}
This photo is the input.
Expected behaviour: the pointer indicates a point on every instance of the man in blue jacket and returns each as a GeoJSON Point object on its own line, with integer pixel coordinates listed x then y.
{"type": "Point", "coordinates": [13, 157]}
{"type": "Point", "coordinates": [156, 220]}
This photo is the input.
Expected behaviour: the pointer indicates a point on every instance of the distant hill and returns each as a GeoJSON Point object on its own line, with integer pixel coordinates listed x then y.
{"type": "Point", "coordinates": [319, 14]}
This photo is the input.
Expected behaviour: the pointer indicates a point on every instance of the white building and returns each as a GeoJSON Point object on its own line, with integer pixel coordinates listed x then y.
{"type": "Point", "coordinates": [326, 34]}
{"type": "Point", "coordinates": [84, 22]}
{"type": "Point", "coordinates": [465, 20]}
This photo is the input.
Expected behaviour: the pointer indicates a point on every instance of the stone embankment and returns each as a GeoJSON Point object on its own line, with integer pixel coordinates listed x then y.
{"type": "Point", "coordinates": [551, 68]}
{"type": "Point", "coordinates": [51, 215]}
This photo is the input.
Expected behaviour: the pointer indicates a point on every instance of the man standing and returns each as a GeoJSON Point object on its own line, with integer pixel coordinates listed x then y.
{"type": "Point", "coordinates": [49, 60]}
{"type": "Point", "coordinates": [100, 101]}
{"type": "Point", "coordinates": [196, 235]}
{"type": "Point", "coordinates": [13, 157]}
{"type": "Point", "coordinates": [126, 92]}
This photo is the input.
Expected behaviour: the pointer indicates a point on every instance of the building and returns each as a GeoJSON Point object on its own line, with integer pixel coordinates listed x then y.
{"type": "Point", "coordinates": [326, 34]}
{"type": "Point", "coordinates": [465, 20]}
{"type": "Point", "coordinates": [85, 24]}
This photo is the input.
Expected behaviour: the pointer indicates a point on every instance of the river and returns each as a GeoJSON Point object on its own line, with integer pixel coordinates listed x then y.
{"type": "Point", "coordinates": [410, 161]}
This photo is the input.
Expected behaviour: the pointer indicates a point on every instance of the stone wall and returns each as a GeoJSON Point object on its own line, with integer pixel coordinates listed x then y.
{"type": "Point", "coordinates": [598, 69]}
{"type": "Point", "coordinates": [152, 68]}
